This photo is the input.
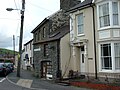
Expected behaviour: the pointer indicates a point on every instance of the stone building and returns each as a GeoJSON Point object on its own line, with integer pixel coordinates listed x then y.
{"type": "Point", "coordinates": [51, 43]}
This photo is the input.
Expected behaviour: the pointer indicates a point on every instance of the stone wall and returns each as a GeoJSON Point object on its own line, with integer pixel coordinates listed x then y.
{"type": "Point", "coordinates": [52, 56]}
{"type": "Point", "coordinates": [59, 19]}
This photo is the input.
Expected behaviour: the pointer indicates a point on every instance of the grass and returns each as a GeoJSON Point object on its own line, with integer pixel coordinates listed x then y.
{"type": "Point", "coordinates": [7, 51]}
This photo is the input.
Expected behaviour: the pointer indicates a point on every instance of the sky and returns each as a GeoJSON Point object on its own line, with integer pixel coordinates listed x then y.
{"type": "Point", "coordinates": [35, 12]}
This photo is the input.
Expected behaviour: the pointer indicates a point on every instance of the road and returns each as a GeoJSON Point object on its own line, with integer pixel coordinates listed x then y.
{"type": "Point", "coordinates": [6, 85]}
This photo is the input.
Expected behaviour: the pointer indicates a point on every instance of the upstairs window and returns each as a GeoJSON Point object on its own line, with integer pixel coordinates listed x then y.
{"type": "Point", "coordinates": [35, 36]}
{"type": "Point", "coordinates": [30, 46]}
{"type": "Point", "coordinates": [104, 15]}
{"type": "Point", "coordinates": [46, 49]}
{"type": "Point", "coordinates": [115, 13]}
{"type": "Point", "coordinates": [80, 29]}
{"type": "Point", "coordinates": [44, 32]}
{"type": "Point", "coordinates": [108, 14]}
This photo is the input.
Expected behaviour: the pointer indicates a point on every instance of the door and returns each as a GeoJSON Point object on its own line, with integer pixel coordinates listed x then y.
{"type": "Point", "coordinates": [82, 62]}
{"type": "Point", "coordinates": [44, 69]}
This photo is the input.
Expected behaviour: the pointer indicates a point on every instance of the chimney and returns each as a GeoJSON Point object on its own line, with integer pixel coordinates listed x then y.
{"type": "Point", "coordinates": [67, 4]}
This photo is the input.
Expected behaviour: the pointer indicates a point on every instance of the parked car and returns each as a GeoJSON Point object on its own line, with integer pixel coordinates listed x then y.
{"type": "Point", "coordinates": [3, 69]}
{"type": "Point", "coordinates": [10, 66]}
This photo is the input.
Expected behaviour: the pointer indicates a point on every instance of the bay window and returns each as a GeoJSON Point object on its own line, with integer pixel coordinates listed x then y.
{"type": "Point", "coordinates": [115, 13]}
{"type": "Point", "coordinates": [117, 55]}
{"type": "Point", "coordinates": [108, 14]}
{"type": "Point", "coordinates": [110, 56]}
{"type": "Point", "coordinates": [106, 56]}
{"type": "Point", "coordinates": [104, 15]}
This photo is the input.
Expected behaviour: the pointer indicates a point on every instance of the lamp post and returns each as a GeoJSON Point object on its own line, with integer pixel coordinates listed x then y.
{"type": "Point", "coordinates": [21, 35]}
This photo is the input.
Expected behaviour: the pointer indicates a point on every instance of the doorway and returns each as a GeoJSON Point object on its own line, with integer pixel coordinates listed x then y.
{"type": "Point", "coordinates": [46, 68]}
{"type": "Point", "coordinates": [82, 60]}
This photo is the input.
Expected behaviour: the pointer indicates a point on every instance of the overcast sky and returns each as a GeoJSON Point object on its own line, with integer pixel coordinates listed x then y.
{"type": "Point", "coordinates": [35, 12]}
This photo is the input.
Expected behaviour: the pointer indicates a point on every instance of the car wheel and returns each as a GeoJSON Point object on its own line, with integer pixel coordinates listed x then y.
{"type": "Point", "coordinates": [4, 73]}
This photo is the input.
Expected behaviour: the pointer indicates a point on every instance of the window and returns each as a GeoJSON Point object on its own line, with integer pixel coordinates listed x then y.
{"type": "Point", "coordinates": [35, 35]}
{"type": "Point", "coordinates": [108, 14]}
{"type": "Point", "coordinates": [117, 55]}
{"type": "Point", "coordinates": [44, 32]}
{"type": "Point", "coordinates": [80, 24]}
{"type": "Point", "coordinates": [46, 50]}
{"type": "Point", "coordinates": [26, 48]}
{"type": "Point", "coordinates": [106, 56]}
{"type": "Point", "coordinates": [104, 15]}
{"type": "Point", "coordinates": [49, 68]}
{"type": "Point", "coordinates": [38, 37]}
{"type": "Point", "coordinates": [115, 13]}
{"type": "Point", "coordinates": [110, 56]}
{"type": "Point", "coordinates": [30, 45]}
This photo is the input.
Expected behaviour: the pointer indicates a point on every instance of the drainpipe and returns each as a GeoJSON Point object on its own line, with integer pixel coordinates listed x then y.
{"type": "Point", "coordinates": [96, 76]}
{"type": "Point", "coordinates": [58, 58]}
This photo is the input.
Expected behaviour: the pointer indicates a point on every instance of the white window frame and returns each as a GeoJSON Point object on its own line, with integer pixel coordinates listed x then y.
{"type": "Point", "coordinates": [112, 57]}
{"type": "Point", "coordinates": [81, 24]}
{"type": "Point", "coordinates": [110, 15]}
{"type": "Point", "coordinates": [117, 13]}
{"type": "Point", "coordinates": [105, 57]}
{"type": "Point", "coordinates": [115, 57]}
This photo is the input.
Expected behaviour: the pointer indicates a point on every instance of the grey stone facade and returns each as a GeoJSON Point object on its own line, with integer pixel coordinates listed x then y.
{"type": "Point", "coordinates": [59, 19]}
{"type": "Point", "coordinates": [52, 56]}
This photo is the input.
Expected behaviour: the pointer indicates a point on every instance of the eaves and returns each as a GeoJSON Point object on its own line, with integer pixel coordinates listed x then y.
{"type": "Point", "coordinates": [80, 8]}
{"type": "Point", "coordinates": [45, 20]}
{"type": "Point", "coordinates": [45, 41]}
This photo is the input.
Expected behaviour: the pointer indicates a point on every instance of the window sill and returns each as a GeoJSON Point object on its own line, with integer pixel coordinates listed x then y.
{"type": "Point", "coordinates": [109, 71]}
{"type": "Point", "coordinates": [80, 35]}
{"type": "Point", "coordinates": [109, 27]}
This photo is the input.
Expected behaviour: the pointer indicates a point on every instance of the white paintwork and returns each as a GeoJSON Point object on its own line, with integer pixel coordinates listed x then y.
{"type": "Point", "coordinates": [82, 63]}
{"type": "Point", "coordinates": [116, 33]}
{"type": "Point", "coordinates": [25, 83]}
{"type": "Point", "coordinates": [49, 76]}
{"type": "Point", "coordinates": [104, 34]}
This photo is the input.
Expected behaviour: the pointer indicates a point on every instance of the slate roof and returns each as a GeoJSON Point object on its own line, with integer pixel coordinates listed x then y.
{"type": "Point", "coordinates": [59, 33]}
{"type": "Point", "coordinates": [81, 5]}
{"type": "Point", "coordinates": [28, 42]}
{"type": "Point", "coordinates": [45, 20]}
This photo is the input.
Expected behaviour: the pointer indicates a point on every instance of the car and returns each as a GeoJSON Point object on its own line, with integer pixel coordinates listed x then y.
{"type": "Point", "coordinates": [10, 66]}
{"type": "Point", "coordinates": [3, 69]}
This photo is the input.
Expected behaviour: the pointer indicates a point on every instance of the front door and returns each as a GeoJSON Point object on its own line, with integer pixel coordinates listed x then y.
{"type": "Point", "coordinates": [46, 67]}
{"type": "Point", "coordinates": [82, 62]}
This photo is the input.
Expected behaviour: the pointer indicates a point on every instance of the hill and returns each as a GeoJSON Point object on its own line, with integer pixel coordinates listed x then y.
{"type": "Point", "coordinates": [7, 51]}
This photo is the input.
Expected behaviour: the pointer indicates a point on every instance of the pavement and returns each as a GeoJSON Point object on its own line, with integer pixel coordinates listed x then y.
{"type": "Point", "coordinates": [26, 79]}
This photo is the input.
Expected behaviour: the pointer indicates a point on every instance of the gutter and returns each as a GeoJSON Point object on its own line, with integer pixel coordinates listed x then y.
{"type": "Point", "coordinates": [79, 8]}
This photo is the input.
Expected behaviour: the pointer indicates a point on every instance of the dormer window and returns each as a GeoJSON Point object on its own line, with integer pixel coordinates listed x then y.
{"type": "Point", "coordinates": [108, 14]}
